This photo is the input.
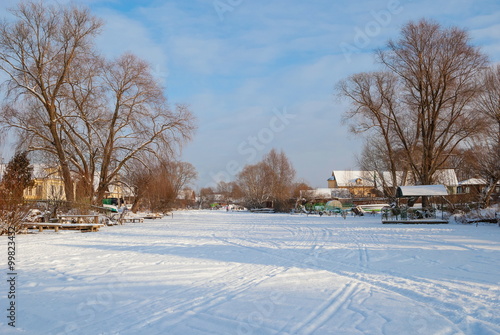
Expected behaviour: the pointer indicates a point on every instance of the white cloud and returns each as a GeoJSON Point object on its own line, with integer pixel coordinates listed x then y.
{"type": "Point", "coordinates": [123, 34]}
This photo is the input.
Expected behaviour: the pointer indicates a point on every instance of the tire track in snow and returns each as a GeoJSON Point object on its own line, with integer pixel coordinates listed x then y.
{"type": "Point", "coordinates": [233, 282]}
{"type": "Point", "coordinates": [198, 305]}
{"type": "Point", "coordinates": [327, 310]}
{"type": "Point", "coordinates": [435, 297]}
{"type": "Point", "coordinates": [227, 286]}
{"type": "Point", "coordinates": [421, 299]}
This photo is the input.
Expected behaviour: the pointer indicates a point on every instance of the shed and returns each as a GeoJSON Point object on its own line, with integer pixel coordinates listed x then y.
{"type": "Point", "coordinates": [412, 216]}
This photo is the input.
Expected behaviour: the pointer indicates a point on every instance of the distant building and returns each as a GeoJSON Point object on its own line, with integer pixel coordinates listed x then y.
{"type": "Point", "coordinates": [48, 183]}
{"type": "Point", "coordinates": [475, 186]}
{"type": "Point", "coordinates": [186, 198]}
{"type": "Point", "coordinates": [358, 183]}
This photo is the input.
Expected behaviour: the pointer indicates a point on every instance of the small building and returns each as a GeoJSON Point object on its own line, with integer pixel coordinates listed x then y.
{"type": "Point", "coordinates": [358, 183]}
{"type": "Point", "coordinates": [475, 186]}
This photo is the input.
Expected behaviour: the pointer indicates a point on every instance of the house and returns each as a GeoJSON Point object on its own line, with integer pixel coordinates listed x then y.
{"type": "Point", "coordinates": [360, 184]}
{"type": "Point", "coordinates": [475, 186]}
{"type": "Point", "coordinates": [48, 183]}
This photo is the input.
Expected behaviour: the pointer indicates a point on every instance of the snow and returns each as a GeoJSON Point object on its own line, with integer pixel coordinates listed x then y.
{"type": "Point", "coordinates": [218, 272]}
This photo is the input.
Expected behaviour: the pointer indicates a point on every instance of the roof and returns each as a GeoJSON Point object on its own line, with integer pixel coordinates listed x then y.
{"type": "Point", "coordinates": [473, 181]}
{"type": "Point", "coordinates": [421, 190]}
{"type": "Point", "coordinates": [349, 178]}
{"type": "Point", "coordinates": [447, 177]}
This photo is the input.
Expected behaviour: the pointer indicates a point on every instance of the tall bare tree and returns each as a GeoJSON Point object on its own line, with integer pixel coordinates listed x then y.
{"type": "Point", "coordinates": [137, 176]}
{"type": "Point", "coordinates": [374, 110]}
{"type": "Point", "coordinates": [135, 119]}
{"type": "Point", "coordinates": [281, 178]}
{"type": "Point", "coordinates": [427, 108]}
{"type": "Point", "coordinates": [488, 145]}
{"type": "Point", "coordinates": [37, 52]}
{"type": "Point", "coordinates": [254, 185]}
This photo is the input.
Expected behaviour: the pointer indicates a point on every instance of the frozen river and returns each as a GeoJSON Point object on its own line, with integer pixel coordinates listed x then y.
{"type": "Point", "coordinates": [217, 272]}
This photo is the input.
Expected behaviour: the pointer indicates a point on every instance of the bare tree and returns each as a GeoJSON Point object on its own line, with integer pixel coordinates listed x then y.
{"type": "Point", "coordinates": [425, 101]}
{"type": "Point", "coordinates": [271, 180]}
{"type": "Point", "coordinates": [37, 52]}
{"type": "Point", "coordinates": [159, 184]}
{"type": "Point", "coordinates": [253, 180]}
{"type": "Point", "coordinates": [298, 187]}
{"type": "Point", "coordinates": [225, 190]}
{"type": "Point", "coordinates": [137, 119]}
{"type": "Point", "coordinates": [437, 68]}
{"type": "Point", "coordinates": [281, 178]}
{"type": "Point", "coordinates": [488, 145]}
{"type": "Point", "coordinates": [137, 177]}
{"type": "Point", "coordinates": [180, 175]}
{"type": "Point", "coordinates": [375, 110]}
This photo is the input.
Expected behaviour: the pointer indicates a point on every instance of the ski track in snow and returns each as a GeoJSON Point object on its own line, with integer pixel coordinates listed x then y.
{"type": "Point", "coordinates": [206, 272]}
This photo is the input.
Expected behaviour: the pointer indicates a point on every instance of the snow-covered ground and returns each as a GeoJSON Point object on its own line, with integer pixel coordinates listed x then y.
{"type": "Point", "coordinates": [217, 272]}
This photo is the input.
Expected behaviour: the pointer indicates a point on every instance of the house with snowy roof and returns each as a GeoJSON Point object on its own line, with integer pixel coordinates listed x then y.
{"type": "Point", "coordinates": [358, 183]}
{"type": "Point", "coordinates": [475, 186]}
{"type": "Point", "coordinates": [48, 184]}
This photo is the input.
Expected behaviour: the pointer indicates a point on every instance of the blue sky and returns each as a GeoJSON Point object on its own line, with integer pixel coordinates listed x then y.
{"type": "Point", "coordinates": [261, 74]}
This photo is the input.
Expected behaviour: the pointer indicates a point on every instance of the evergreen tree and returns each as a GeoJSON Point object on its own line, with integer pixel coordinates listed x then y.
{"type": "Point", "coordinates": [18, 176]}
